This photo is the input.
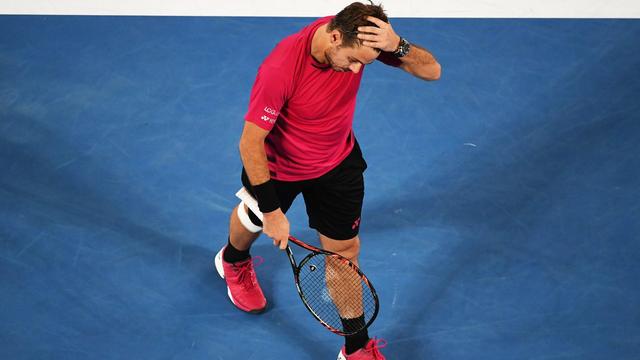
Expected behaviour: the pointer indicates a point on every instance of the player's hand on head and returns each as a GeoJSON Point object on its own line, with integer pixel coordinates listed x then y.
{"type": "Point", "coordinates": [381, 36]}
{"type": "Point", "coordinates": [276, 226]}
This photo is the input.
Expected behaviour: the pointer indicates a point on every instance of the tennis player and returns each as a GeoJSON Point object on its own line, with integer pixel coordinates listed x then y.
{"type": "Point", "coordinates": [298, 138]}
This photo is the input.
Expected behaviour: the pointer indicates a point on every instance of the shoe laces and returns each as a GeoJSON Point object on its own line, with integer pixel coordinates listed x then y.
{"type": "Point", "coordinates": [246, 275]}
{"type": "Point", "coordinates": [374, 346]}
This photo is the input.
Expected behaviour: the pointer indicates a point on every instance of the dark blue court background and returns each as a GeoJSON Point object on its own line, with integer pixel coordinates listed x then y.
{"type": "Point", "coordinates": [501, 217]}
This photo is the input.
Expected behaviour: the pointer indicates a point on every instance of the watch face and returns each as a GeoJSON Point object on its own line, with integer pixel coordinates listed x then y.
{"type": "Point", "coordinates": [403, 48]}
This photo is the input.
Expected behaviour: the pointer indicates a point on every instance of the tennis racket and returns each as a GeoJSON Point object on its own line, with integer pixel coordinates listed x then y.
{"type": "Point", "coordinates": [331, 287]}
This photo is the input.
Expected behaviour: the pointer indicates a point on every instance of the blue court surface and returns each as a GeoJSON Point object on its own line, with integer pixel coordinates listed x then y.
{"type": "Point", "coordinates": [501, 217]}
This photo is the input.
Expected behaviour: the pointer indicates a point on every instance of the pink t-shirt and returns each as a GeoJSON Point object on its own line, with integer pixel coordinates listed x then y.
{"type": "Point", "coordinates": [307, 107]}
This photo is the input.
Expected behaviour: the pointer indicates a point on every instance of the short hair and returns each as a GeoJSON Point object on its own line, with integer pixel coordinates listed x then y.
{"type": "Point", "coordinates": [353, 16]}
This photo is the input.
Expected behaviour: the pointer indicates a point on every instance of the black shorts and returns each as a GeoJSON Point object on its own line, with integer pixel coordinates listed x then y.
{"type": "Point", "coordinates": [333, 201]}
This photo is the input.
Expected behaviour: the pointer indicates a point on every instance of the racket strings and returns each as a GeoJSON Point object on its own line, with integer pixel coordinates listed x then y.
{"type": "Point", "coordinates": [337, 293]}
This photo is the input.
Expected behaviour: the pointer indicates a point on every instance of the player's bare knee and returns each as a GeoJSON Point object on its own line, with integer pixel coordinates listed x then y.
{"type": "Point", "coordinates": [352, 249]}
{"type": "Point", "coordinates": [348, 248]}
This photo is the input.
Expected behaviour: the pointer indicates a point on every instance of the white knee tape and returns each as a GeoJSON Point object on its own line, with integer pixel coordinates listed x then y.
{"type": "Point", "coordinates": [246, 222]}
{"type": "Point", "coordinates": [250, 201]}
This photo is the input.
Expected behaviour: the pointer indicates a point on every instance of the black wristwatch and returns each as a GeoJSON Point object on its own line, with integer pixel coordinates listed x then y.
{"type": "Point", "coordinates": [403, 48]}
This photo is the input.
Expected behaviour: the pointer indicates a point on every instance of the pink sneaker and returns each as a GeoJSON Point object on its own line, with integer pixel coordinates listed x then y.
{"type": "Point", "coordinates": [242, 285]}
{"type": "Point", "coordinates": [371, 351]}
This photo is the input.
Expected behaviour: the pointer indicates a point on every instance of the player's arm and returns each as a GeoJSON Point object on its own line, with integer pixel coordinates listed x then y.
{"type": "Point", "coordinates": [418, 62]}
{"type": "Point", "coordinates": [252, 153]}
{"type": "Point", "coordinates": [254, 159]}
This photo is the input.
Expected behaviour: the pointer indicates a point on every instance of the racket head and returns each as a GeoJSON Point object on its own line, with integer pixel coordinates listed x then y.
{"type": "Point", "coordinates": [336, 293]}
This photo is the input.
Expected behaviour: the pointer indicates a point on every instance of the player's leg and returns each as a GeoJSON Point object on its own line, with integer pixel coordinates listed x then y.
{"type": "Point", "coordinates": [351, 309]}
{"type": "Point", "coordinates": [244, 229]}
{"type": "Point", "coordinates": [349, 248]}
{"type": "Point", "coordinates": [234, 263]}
{"type": "Point", "coordinates": [334, 204]}
{"type": "Point", "coordinates": [340, 279]}
{"type": "Point", "coordinates": [357, 346]}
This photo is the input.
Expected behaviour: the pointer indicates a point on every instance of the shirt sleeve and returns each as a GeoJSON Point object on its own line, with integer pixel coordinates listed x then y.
{"type": "Point", "coordinates": [268, 95]}
{"type": "Point", "coordinates": [389, 59]}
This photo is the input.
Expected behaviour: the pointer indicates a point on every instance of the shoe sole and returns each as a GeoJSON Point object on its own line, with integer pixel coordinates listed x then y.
{"type": "Point", "coordinates": [220, 269]}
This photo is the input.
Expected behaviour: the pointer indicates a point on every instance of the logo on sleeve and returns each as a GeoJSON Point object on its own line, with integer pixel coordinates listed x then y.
{"type": "Point", "coordinates": [270, 116]}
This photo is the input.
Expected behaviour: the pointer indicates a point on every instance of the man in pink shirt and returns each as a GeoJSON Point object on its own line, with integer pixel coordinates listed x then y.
{"type": "Point", "coordinates": [298, 138]}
